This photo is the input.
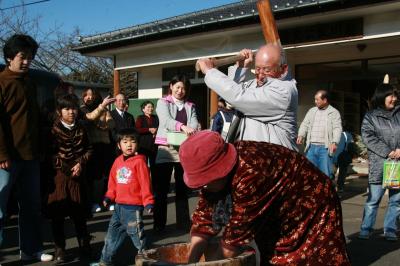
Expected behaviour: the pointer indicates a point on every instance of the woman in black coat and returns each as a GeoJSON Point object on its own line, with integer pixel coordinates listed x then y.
{"type": "Point", "coordinates": [147, 125]}
{"type": "Point", "coordinates": [380, 131]}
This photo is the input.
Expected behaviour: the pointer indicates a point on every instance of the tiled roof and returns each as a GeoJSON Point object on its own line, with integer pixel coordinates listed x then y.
{"type": "Point", "coordinates": [200, 21]}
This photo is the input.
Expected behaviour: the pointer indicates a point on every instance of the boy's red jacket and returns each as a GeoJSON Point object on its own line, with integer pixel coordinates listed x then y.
{"type": "Point", "coordinates": [129, 182]}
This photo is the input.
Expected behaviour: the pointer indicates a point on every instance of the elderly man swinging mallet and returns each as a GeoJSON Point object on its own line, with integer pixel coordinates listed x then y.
{"type": "Point", "coordinates": [268, 102]}
{"type": "Point", "coordinates": [265, 194]}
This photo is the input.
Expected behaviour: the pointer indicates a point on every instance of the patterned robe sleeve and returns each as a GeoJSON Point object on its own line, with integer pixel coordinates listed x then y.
{"type": "Point", "coordinates": [203, 219]}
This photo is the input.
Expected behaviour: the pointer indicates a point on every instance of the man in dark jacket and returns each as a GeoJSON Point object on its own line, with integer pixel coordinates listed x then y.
{"type": "Point", "coordinates": [122, 118]}
{"type": "Point", "coordinates": [19, 137]}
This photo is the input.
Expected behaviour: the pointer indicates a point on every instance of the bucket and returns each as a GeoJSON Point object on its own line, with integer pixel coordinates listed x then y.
{"type": "Point", "coordinates": [177, 254]}
{"type": "Point", "coordinates": [175, 138]}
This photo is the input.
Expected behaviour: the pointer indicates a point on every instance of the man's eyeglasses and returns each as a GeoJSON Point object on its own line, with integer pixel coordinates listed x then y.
{"type": "Point", "coordinates": [266, 70]}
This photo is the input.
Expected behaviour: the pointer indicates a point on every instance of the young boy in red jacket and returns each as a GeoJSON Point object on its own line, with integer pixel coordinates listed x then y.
{"type": "Point", "coordinates": [129, 187]}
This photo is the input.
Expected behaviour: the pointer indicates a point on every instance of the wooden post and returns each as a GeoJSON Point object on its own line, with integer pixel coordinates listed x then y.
{"type": "Point", "coordinates": [117, 88]}
{"type": "Point", "coordinates": [213, 103]}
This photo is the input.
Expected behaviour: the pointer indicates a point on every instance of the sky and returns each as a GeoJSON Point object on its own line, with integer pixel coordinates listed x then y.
{"type": "Point", "coordinates": [98, 16]}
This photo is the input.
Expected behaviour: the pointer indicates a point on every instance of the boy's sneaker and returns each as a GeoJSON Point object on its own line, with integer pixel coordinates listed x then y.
{"type": "Point", "coordinates": [98, 264]}
{"type": "Point", "coordinates": [43, 257]}
{"type": "Point", "coordinates": [96, 208]}
{"type": "Point", "coordinates": [391, 236]}
{"type": "Point", "coordinates": [364, 235]}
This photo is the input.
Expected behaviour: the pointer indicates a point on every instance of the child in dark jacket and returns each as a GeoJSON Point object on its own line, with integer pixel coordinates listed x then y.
{"type": "Point", "coordinates": [129, 186]}
{"type": "Point", "coordinates": [71, 151]}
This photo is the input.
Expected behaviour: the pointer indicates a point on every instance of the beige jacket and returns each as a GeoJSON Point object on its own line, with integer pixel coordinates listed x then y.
{"type": "Point", "coordinates": [333, 126]}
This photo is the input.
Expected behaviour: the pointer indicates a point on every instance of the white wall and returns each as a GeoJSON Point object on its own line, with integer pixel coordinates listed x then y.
{"type": "Point", "coordinates": [190, 49]}
{"type": "Point", "coordinates": [382, 23]}
{"type": "Point", "coordinates": [150, 78]}
{"type": "Point", "coordinates": [149, 82]}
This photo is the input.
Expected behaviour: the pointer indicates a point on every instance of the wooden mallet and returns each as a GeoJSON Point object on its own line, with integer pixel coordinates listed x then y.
{"type": "Point", "coordinates": [269, 29]}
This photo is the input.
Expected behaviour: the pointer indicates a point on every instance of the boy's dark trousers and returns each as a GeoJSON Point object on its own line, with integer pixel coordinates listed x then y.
{"type": "Point", "coordinates": [161, 183]}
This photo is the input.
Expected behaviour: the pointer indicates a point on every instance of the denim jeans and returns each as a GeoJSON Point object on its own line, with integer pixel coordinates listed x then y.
{"type": "Point", "coordinates": [371, 208]}
{"type": "Point", "coordinates": [126, 220]}
{"type": "Point", "coordinates": [319, 156]}
{"type": "Point", "coordinates": [26, 176]}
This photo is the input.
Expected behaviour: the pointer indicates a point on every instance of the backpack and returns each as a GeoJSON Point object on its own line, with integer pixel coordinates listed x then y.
{"type": "Point", "coordinates": [225, 127]}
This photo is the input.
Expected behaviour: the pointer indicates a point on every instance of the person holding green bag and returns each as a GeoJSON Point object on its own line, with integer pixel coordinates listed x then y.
{"type": "Point", "coordinates": [380, 132]}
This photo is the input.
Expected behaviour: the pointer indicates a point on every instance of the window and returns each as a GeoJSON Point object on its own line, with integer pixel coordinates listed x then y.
{"type": "Point", "coordinates": [129, 83]}
{"type": "Point", "coordinates": [169, 72]}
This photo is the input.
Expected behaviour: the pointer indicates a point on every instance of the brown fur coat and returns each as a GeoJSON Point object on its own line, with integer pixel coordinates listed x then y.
{"type": "Point", "coordinates": [70, 146]}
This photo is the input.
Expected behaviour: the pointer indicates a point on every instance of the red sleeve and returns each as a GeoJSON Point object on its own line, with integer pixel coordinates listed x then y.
{"type": "Point", "coordinates": [202, 219]}
{"type": "Point", "coordinates": [143, 173]}
{"type": "Point", "coordinates": [112, 186]}
{"type": "Point", "coordinates": [139, 125]}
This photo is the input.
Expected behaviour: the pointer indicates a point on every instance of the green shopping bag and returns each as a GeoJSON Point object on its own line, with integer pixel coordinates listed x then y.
{"type": "Point", "coordinates": [391, 174]}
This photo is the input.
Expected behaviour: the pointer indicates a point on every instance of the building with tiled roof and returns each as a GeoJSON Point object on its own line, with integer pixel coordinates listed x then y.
{"type": "Point", "coordinates": [345, 46]}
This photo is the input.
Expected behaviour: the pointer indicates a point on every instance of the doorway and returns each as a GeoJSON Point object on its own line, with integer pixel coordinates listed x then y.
{"type": "Point", "coordinates": [350, 83]}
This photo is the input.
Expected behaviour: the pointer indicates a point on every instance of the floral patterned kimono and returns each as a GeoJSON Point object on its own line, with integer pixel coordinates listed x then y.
{"type": "Point", "coordinates": [280, 200]}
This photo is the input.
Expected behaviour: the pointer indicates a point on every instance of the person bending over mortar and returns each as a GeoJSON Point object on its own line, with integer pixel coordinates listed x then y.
{"type": "Point", "coordinates": [268, 197]}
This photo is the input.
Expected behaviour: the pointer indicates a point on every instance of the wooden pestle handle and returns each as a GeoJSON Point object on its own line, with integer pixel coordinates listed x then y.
{"type": "Point", "coordinates": [270, 32]}
{"type": "Point", "coordinates": [223, 61]}
{"type": "Point", "coordinates": [268, 25]}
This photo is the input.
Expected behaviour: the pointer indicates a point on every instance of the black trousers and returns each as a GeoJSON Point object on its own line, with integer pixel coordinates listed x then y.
{"type": "Point", "coordinates": [151, 156]}
{"type": "Point", "coordinates": [98, 170]}
{"type": "Point", "coordinates": [161, 185]}
{"type": "Point", "coordinates": [57, 225]}
{"type": "Point", "coordinates": [344, 160]}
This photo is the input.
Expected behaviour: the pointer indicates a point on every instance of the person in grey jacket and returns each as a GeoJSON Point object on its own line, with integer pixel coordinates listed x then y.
{"type": "Point", "coordinates": [321, 127]}
{"type": "Point", "coordinates": [380, 132]}
{"type": "Point", "coordinates": [175, 113]}
{"type": "Point", "coordinates": [268, 102]}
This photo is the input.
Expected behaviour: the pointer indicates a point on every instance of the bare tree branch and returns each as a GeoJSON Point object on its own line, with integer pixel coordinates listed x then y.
{"type": "Point", "coordinates": [55, 52]}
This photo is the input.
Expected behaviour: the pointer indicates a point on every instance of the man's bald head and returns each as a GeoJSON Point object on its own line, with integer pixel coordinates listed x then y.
{"type": "Point", "coordinates": [270, 62]}
{"type": "Point", "coordinates": [269, 52]}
